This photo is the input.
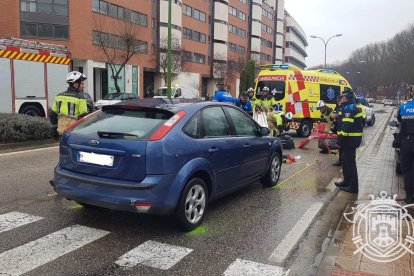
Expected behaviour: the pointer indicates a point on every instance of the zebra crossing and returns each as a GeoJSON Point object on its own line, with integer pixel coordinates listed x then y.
{"type": "Point", "coordinates": [46, 249]}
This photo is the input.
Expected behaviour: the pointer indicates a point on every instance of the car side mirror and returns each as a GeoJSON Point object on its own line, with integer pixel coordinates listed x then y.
{"type": "Point", "coordinates": [264, 131]}
{"type": "Point", "coordinates": [393, 124]}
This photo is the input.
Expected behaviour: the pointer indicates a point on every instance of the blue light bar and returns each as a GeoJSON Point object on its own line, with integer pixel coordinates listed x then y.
{"type": "Point", "coordinates": [327, 71]}
{"type": "Point", "coordinates": [284, 66]}
{"type": "Point", "coordinates": [274, 66]}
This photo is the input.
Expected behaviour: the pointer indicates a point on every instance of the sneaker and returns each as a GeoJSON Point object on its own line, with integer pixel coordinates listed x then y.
{"type": "Point", "coordinates": [340, 184]}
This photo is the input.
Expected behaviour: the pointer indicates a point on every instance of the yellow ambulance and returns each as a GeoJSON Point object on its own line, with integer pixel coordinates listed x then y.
{"type": "Point", "coordinates": [298, 92]}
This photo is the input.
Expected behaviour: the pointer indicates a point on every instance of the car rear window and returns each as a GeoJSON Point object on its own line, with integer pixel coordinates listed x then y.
{"type": "Point", "coordinates": [125, 123]}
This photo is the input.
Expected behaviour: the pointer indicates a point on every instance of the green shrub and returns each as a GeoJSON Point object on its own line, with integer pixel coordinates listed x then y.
{"type": "Point", "coordinates": [19, 128]}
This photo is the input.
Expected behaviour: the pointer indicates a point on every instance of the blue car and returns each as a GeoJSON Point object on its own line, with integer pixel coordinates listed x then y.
{"type": "Point", "coordinates": [158, 157]}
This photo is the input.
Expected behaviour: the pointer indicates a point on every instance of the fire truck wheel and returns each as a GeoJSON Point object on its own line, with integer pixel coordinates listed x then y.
{"type": "Point", "coordinates": [32, 110]}
{"type": "Point", "coordinates": [305, 129]}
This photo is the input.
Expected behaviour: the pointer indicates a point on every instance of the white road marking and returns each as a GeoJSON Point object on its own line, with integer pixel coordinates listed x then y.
{"type": "Point", "coordinates": [13, 220]}
{"type": "Point", "coordinates": [27, 151]}
{"type": "Point", "coordinates": [31, 255]}
{"type": "Point", "coordinates": [153, 254]}
{"type": "Point", "coordinates": [291, 239]}
{"type": "Point", "coordinates": [243, 267]}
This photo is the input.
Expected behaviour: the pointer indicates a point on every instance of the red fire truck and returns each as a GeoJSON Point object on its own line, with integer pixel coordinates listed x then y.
{"type": "Point", "coordinates": [31, 75]}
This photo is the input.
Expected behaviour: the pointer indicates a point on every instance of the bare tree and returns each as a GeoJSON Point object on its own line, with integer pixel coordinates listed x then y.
{"type": "Point", "coordinates": [226, 70]}
{"type": "Point", "coordinates": [177, 59]}
{"type": "Point", "coordinates": [119, 44]}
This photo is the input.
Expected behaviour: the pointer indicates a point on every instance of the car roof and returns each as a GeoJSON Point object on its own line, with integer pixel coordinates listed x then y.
{"type": "Point", "coordinates": [173, 105]}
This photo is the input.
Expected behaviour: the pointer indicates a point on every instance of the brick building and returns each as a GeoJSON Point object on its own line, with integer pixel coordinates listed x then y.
{"type": "Point", "coordinates": [214, 38]}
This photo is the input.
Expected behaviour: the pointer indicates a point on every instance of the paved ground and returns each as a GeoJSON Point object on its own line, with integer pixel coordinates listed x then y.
{"type": "Point", "coordinates": [377, 173]}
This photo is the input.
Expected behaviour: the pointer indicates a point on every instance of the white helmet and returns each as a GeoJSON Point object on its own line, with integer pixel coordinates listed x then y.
{"type": "Point", "coordinates": [265, 89]}
{"type": "Point", "coordinates": [289, 116]}
{"type": "Point", "coordinates": [250, 90]}
{"type": "Point", "coordinates": [75, 76]}
{"type": "Point", "coordinates": [320, 104]}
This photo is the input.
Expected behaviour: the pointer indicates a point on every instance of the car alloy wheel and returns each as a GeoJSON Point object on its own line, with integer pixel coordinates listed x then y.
{"type": "Point", "coordinates": [192, 204]}
{"type": "Point", "coordinates": [195, 204]}
{"type": "Point", "coordinates": [275, 169]}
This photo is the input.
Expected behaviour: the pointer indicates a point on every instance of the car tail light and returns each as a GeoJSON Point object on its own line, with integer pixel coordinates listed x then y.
{"type": "Point", "coordinates": [142, 206]}
{"type": "Point", "coordinates": [167, 126]}
{"type": "Point", "coordinates": [83, 119]}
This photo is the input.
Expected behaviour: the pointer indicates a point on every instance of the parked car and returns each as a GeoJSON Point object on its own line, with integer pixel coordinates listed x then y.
{"type": "Point", "coordinates": [388, 102]}
{"type": "Point", "coordinates": [113, 98]}
{"type": "Point", "coordinates": [369, 111]}
{"type": "Point", "coordinates": [154, 157]}
{"type": "Point", "coordinates": [89, 101]}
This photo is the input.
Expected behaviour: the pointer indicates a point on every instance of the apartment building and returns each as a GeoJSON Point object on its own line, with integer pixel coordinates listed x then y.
{"type": "Point", "coordinates": [212, 39]}
{"type": "Point", "coordinates": [295, 43]}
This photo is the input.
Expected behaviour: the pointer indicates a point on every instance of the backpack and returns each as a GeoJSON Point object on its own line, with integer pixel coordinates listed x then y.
{"type": "Point", "coordinates": [287, 141]}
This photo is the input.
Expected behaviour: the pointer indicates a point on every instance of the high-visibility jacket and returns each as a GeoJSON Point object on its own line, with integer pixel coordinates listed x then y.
{"type": "Point", "coordinates": [280, 123]}
{"type": "Point", "coordinates": [267, 102]}
{"type": "Point", "coordinates": [350, 128]}
{"type": "Point", "coordinates": [68, 103]}
{"type": "Point", "coordinates": [253, 101]}
{"type": "Point", "coordinates": [327, 115]}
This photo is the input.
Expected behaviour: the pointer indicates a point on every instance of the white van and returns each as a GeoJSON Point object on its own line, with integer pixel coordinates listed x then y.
{"type": "Point", "coordinates": [176, 92]}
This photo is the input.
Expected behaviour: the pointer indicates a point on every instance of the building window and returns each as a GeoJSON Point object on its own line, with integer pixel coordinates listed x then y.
{"type": "Point", "coordinates": [237, 31]}
{"type": "Point", "coordinates": [54, 7]}
{"type": "Point", "coordinates": [266, 42]}
{"type": "Point", "coordinates": [190, 11]}
{"type": "Point", "coordinates": [235, 12]}
{"type": "Point", "coordinates": [236, 48]}
{"type": "Point", "coordinates": [265, 57]}
{"type": "Point", "coordinates": [267, 14]}
{"type": "Point", "coordinates": [194, 57]}
{"type": "Point", "coordinates": [267, 28]}
{"type": "Point", "coordinates": [194, 35]}
{"type": "Point", "coordinates": [118, 12]}
{"type": "Point", "coordinates": [116, 42]}
{"type": "Point", "coordinates": [40, 30]}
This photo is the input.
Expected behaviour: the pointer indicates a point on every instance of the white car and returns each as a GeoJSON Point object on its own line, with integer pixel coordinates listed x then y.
{"type": "Point", "coordinates": [113, 98]}
{"type": "Point", "coordinates": [369, 110]}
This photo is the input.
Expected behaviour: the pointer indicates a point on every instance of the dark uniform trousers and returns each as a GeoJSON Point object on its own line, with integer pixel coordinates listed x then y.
{"type": "Point", "coordinates": [407, 162]}
{"type": "Point", "coordinates": [349, 170]}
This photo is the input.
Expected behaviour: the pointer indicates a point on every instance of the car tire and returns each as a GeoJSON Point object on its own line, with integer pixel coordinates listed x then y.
{"type": "Point", "coordinates": [372, 122]}
{"type": "Point", "coordinates": [32, 110]}
{"type": "Point", "coordinates": [398, 168]}
{"type": "Point", "coordinates": [305, 129]}
{"type": "Point", "coordinates": [272, 175]}
{"type": "Point", "coordinates": [192, 204]}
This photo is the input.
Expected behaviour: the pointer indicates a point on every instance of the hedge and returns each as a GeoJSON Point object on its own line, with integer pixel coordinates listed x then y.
{"type": "Point", "coordinates": [19, 128]}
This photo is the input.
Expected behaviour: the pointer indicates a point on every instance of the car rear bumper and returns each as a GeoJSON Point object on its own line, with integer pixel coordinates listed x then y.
{"type": "Point", "coordinates": [118, 194]}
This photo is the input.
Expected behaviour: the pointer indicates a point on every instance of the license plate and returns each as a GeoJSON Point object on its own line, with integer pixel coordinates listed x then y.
{"type": "Point", "coordinates": [94, 158]}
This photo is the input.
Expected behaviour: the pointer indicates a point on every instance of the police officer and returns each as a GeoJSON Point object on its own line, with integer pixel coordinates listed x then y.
{"type": "Point", "coordinates": [244, 104]}
{"type": "Point", "coordinates": [350, 133]}
{"type": "Point", "coordinates": [68, 106]}
{"type": "Point", "coordinates": [221, 95]}
{"type": "Point", "coordinates": [336, 122]}
{"type": "Point", "coordinates": [326, 113]}
{"type": "Point", "coordinates": [252, 99]}
{"type": "Point", "coordinates": [406, 119]}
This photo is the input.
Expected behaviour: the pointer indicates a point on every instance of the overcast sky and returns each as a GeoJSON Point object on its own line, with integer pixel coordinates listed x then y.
{"type": "Point", "coordinates": [360, 21]}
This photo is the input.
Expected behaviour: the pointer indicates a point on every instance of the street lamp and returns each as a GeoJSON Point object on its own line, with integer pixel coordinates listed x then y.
{"type": "Point", "coordinates": [326, 42]}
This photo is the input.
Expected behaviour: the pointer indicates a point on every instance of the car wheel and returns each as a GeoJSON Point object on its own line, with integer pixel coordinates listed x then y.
{"type": "Point", "coordinates": [32, 110]}
{"type": "Point", "coordinates": [372, 122]}
{"type": "Point", "coordinates": [305, 128]}
{"type": "Point", "coordinates": [272, 175]}
{"type": "Point", "coordinates": [193, 204]}
{"type": "Point", "coordinates": [398, 168]}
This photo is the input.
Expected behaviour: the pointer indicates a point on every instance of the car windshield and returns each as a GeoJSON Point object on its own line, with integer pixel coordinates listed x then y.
{"type": "Point", "coordinates": [132, 124]}
{"type": "Point", "coordinates": [111, 96]}
{"type": "Point", "coordinates": [163, 92]}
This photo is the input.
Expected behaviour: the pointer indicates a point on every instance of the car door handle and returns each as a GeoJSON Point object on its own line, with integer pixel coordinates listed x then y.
{"type": "Point", "coordinates": [213, 149]}
{"type": "Point", "coordinates": [246, 146]}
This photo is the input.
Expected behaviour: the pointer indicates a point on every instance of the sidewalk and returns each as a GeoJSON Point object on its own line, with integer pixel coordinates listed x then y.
{"type": "Point", "coordinates": [376, 170]}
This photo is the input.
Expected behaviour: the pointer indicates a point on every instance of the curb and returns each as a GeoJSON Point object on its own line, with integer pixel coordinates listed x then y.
{"type": "Point", "coordinates": [7, 147]}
